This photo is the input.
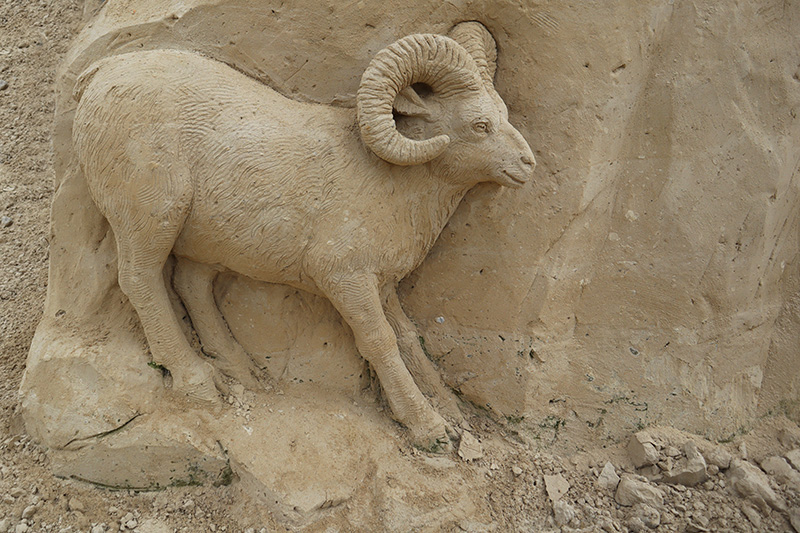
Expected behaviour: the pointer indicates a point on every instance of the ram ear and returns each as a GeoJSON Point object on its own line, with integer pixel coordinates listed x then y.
{"type": "Point", "coordinates": [410, 104]}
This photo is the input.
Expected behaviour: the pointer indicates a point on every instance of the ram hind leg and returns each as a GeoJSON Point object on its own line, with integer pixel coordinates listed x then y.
{"type": "Point", "coordinates": [358, 300]}
{"type": "Point", "coordinates": [194, 283]}
{"type": "Point", "coordinates": [141, 258]}
{"type": "Point", "coordinates": [146, 200]}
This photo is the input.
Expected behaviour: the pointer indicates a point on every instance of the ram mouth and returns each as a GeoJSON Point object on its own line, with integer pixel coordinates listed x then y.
{"type": "Point", "coordinates": [514, 178]}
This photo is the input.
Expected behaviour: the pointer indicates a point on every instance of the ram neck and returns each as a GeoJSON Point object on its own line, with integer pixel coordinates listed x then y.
{"type": "Point", "coordinates": [431, 201]}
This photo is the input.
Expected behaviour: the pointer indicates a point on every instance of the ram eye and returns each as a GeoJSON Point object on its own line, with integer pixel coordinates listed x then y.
{"type": "Point", "coordinates": [481, 127]}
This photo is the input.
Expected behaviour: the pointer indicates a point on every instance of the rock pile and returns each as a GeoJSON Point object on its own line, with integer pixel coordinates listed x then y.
{"type": "Point", "coordinates": [670, 467]}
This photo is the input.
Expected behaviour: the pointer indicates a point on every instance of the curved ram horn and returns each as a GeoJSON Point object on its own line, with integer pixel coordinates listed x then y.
{"type": "Point", "coordinates": [479, 42]}
{"type": "Point", "coordinates": [435, 60]}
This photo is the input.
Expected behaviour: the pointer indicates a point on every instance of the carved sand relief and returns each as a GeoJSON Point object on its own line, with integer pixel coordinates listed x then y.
{"type": "Point", "coordinates": [186, 156]}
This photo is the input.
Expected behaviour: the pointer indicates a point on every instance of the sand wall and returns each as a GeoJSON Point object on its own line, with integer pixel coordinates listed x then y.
{"type": "Point", "coordinates": [650, 274]}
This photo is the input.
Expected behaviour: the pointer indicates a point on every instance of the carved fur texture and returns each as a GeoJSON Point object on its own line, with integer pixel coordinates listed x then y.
{"type": "Point", "coordinates": [186, 156]}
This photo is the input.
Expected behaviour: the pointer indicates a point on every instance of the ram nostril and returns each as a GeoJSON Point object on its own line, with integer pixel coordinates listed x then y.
{"type": "Point", "coordinates": [527, 160]}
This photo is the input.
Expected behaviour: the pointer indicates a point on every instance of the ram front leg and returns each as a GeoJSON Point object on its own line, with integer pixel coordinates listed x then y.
{"type": "Point", "coordinates": [422, 369]}
{"type": "Point", "coordinates": [358, 301]}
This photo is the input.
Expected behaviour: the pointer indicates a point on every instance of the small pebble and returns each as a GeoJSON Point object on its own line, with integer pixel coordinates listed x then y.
{"type": "Point", "coordinates": [6, 221]}
{"type": "Point", "coordinates": [564, 513]}
{"type": "Point", "coordinates": [649, 516]}
{"type": "Point", "coordinates": [3, 85]}
{"type": "Point", "coordinates": [99, 528]}
{"type": "Point", "coordinates": [76, 505]}
{"type": "Point", "coordinates": [752, 515]}
{"type": "Point", "coordinates": [672, 451]}
{"type": "Point", "coordinates": [128, 521]}
{"type": "Point", "coordinates": [29, 511]}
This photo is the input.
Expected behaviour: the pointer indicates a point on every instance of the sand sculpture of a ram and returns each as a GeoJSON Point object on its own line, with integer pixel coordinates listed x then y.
{"type": "Point", "coordinates": [185, 155]}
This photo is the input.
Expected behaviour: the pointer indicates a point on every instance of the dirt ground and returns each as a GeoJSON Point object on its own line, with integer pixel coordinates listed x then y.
{"type": "Point", "coordinates": [516, 456]}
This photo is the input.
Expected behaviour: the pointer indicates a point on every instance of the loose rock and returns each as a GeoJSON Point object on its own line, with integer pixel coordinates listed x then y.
{"type": "Point", "coordinates": [689, 471]}
{"type": "Point", "coordinates": [632, 491]}
{"type": "Point", "coordinates": [672, 451]}
{"type": "Point", "coordinates": [743, 451]}
{"type": "Point", "coordinates": [752, 514]}
{"type": "Point", "coordinates": [695, 527]}
{"type": "Point", "coordinates": [469, 448]}
{"type": "Point", "coordinates": [608, 478]}
{"type": "Point", "coordinates": [635, 525]}
{"type": "Point", "coordinates": [3, 85]}
{"type": "Point", "coordinates": [750, 482]}
{"type": "Point", "coordinates": [75, 505]}
{"type": "Point", "coordinates": [794, 458]}
{"type": "Point", "coordinates": [556, 487]}
{"type": "Point", "coordinates": [609, 526]}
{"type": "Point", "coordinates": [783, 472]}
{"type": "Point", "coordinates": [719, 457]}
{"type": "Point", "coordinates": [128, 521]}
{"type": "Point", "coordinates": [642, 451]}
{"type": "Point", "coordinates": [789, 437]}
{"type": "Point", "coordinates": [649, 516]}
{"type": "Point", "coordinates": [794, 518]}
{"type": "Point", "coordinates": [153, 525]}
{"type": "Point", "coordinates": [563, 512]}
{"type": "Point", "coordinates": [6, 221]}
